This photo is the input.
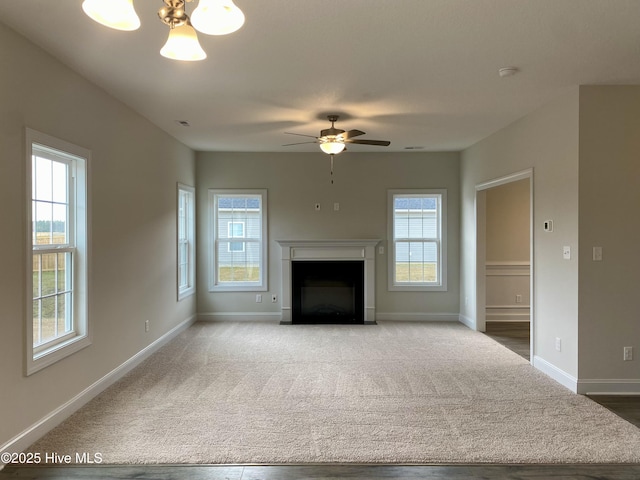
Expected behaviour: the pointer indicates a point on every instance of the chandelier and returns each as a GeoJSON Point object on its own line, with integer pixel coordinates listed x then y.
{"type": "Point", "coordinates": [211, 17]}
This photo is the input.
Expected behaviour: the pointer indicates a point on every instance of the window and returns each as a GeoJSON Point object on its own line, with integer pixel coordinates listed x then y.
{"type": "Point", "coordinates": [236, 230]}
{"type": "Point", "coordinates": [239, 245]}
{"type": "Point", "coordinates": [186, 241]}
{"type": "Point", "coordinates": [57, 323]}
{"type": "Point", "coordinates": [417, 236]}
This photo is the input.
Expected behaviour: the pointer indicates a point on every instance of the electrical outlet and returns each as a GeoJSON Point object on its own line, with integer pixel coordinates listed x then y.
{"type": "Point", "coordinates": [566, 252]}
{"type": "Point", "coordinates": [628, 354]}
{"type": "Point", "coordinates": [558, 344]}
{"type": "Point", "coordinates": [274, 298]}
{"type": "Point", "coordinates": [146, 325]}
{"type": "Point", "coordinates": [317, 207]}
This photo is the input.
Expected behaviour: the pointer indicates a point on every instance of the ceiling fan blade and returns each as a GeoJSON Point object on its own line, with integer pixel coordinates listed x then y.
{"type": "Point", "coordinates": [380, 143]}
{"type": "Point", "coordinates": [298, 143]}
{"type": "Point", "coordinates": [352, 133]}
{"type": "Point", "coordinates": [300, 134]}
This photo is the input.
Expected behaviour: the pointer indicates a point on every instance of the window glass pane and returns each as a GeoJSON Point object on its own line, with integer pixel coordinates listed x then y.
{"type": "Point", "coordinates": [48, 322]}
{"type": "Point", "coordinates": [241, 266]}
{"type": "Point", "coordinates": [48, 274]}
{"type": "Point", "coordinates": [36, 276]}
{"type": "Point", "coordinates": [62, 273]}
{"type": "Point", "coordinates": [64, 317]}
{"type": "Point", "coordinates": [36, 322]}
{"type": "Point", "coordinates": [59, 224]}
{"type": "Point", "coordinates": [42, 223]}
{"type": "Point", "coordinates": [42, 178]}
{"type": "Point", "coordinates": [59, 178]}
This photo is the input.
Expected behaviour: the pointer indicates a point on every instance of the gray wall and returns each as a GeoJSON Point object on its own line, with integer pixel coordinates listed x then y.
{"type": "Point", "coordinates": [132, 187]}
{"type": "Point", "coordinates": [609, 202]}
{"type": "Point", "coordinates": [296, 182]}
{"type": "Point", "coordinates": [547, 141]}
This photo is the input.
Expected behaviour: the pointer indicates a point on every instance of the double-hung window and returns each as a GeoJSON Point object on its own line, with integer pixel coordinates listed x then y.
{"type": "Point", "coordinates": [57, 322]}
{"type": "Point", "coordinates": [239, 240]}
{"type": "Point", "coordinates": [186, 241]}
{"type": "Point", "coordinates": [417, 237]}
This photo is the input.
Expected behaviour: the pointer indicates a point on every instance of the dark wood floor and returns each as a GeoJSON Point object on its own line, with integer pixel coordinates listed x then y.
{"type": "Point", "coordinates": [514, 337]}
{"type": "Point", "coordinates": [330, 472]}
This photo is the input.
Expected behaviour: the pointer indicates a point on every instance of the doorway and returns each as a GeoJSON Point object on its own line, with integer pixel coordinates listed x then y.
{"type": "Point", "coordinates": [504, 261]}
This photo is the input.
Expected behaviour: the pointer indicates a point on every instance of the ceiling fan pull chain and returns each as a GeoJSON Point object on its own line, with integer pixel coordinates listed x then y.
{"type": "Point", "coordinates": [331, 169]}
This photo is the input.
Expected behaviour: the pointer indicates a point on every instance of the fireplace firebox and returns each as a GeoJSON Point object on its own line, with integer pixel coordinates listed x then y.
{"type": "Point", "coordinates": [327, 292]}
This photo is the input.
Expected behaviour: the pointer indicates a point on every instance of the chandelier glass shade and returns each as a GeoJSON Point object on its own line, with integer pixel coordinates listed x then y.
{"type": "Point", "coordinates": [217, 17]}
{"type": "Point", "coordinates": [183, 44]}
{"type": "Point", "coordinates": [331, 145]}
{"type": "Point", "coordinates": [212, 17]}
{"type": "Point", "coordinates": [117, 14]}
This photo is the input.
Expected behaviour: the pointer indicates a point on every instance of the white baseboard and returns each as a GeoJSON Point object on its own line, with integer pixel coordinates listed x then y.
{"type": "Point", "coordinates": [27, 437]}
{"type": "Point", "coordinates": [469, 322]}
{"type": "Point", "coordinates": [609, 387]}
{"type": "Point", "coordinates": [239, 316]}
{"type": "Point", "coordinates": [417, 317]}
{"type": "Point", "coordinates": [559, 375]}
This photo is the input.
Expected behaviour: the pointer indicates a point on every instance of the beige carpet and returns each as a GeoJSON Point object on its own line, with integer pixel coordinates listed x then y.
{"type": "Point", "coordinates": [393, 393]}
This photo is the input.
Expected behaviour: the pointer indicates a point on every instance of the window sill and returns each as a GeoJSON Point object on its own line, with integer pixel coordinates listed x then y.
{"type": "Point", "coordinates": [52, 355]}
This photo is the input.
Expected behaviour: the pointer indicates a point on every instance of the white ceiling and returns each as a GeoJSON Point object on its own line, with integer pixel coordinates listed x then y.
{"type": "Point", "coordinates": [420, 73]}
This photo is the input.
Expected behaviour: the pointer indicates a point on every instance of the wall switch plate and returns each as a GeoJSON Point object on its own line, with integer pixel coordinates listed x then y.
{"type": "Point", "coordinates": [518, 298]}
{"type": "Point", "coordinates": [258, 298]}
{"type": "Point", "coordinates": [558, 344]}
{"type": "Point", "coordinates": [381, 250]}
{"type": "Point", "coordinates": [274, 298]}
{"type": "Point", "coordinates": [597, 254]}
{"type": "Point", "coordinates": [548, 225]}
{"type": "Point", "coordinates": [628, 354]}
{"type": "Point", "coordinates": [146, 325]}
{"type": "Point", "coordinates": [566, 252]}
{"type": "Point", "coordinates": [336, 207]}
{"type": "Point", "coordinates": [317, 207]}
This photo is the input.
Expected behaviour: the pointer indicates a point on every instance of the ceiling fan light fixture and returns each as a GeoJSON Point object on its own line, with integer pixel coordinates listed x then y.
{"type": "Point", "coordinates": [331, 146]}
{"type": "Point", "coordinates": [217, 17]}
{"type": "Point", "coordinates": [183, 44]}
{"type": "Point", "coordinates": [116, 14]}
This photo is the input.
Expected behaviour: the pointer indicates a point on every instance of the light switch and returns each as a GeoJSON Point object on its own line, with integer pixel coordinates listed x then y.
{"type": "Point", "coordinates": [597, 254]}
{"type": "Point", "coordinates": [566, 252]}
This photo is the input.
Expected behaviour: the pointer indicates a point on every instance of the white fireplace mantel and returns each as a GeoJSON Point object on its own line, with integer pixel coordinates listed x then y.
{"type": "Point", "coordinates": [328, 250]}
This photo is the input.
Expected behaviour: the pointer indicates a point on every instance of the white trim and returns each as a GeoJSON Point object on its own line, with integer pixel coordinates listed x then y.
{"type": "Point", "coordinates": [556, 373]}
{"type": "Point", "coordinates": [79, 162]}
{"type": "Point", "coordinates": [327, 250]}
{"type": "Point", "coordinates": [417, 317]}
{"type": "Point", "coordinates": [27, 437]}
{"type": "Point", "coordinates": [609, 387]}
{"type": "Point", "coordinates": [262, 284]}
{"type": "Point", "coordinates": [190, 228]}
{"type": "Point", "coordinates": [481, 263]}
{"type": "Point", "coordinates": [442, 239]}
{"type": "Point", "coordinates": [239, 316]}
{"type": "Point", "coordinates": [467, 321]}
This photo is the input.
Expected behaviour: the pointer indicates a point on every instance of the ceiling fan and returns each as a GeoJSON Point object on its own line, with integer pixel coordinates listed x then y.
{"type": "Point", "coordinates": [333, 140]}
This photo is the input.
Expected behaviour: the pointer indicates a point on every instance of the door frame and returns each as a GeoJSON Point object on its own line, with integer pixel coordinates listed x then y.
{"type": "Point", "coordinates": [481, 246]}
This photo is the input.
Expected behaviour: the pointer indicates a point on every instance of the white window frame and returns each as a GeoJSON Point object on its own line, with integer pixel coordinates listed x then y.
{"type": "Point", "coordinates": [189, 239]}
{"type": "Point", "coordinates": [78, 160]}
{"type": "Point", "coordinates": [440, 239]}
{"type": "Point", "coordinates": [214, 284]}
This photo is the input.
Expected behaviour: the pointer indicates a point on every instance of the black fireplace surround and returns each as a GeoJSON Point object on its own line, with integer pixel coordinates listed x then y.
{"type": "Point", "coordinates": [327, 292]}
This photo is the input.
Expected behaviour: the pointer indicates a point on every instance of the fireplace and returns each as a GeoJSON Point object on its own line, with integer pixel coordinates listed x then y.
{"type": "Point", "coordinates": [354, 260]}
{"type": "Point", "coordinates": [327, 292]}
